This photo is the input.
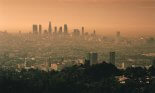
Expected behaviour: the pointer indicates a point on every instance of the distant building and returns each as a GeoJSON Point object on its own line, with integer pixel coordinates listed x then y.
{"type": "Point", "coordinates": [55, 29]}
{"type": "Point", "coordinates": [112, 58]}
{"type": "Point", "coordinates": [76, 32]}
{"type": "Point", "coordinates": [65, 29]}
{"type": "Point", "coordinates": [118, 37]}
{"type": "Point", "coordinates": [88, 56]}
{"type": "Point", "coordinates": [82, 31]}
{"type": "Point", "coordinates": [123, 65]}
{"type": "Point", "coordinates": [35, 29]}
{"type": "Point", "coordinates": [40, 29]}
{"type": "Point", "coordinates": [92, 58]}
{"type": "Point", "coordinates": [60, 30]}
{"type": "Point", "coordinates": [50, 28]}
{"type": "Point", "coordinates": [94, 33]}
{"type": "Point", "coordinates": [118, 34]}
{"type": "Point", "coordinates": [54, 67]}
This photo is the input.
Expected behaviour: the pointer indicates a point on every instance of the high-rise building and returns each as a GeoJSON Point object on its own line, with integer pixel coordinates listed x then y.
{"type": "Point", "coordinates": [60, 30]}
{"type": "Point", "coordinates": [118, 37]}
{"type": "Point", "coordinates": [112, 58]}
{"type": "Point", "coordinates": [55, 30]}
{"type": "Point", "coordinates": [35, 29]}
{"type": "Point", "coordinates": [88, 56]}
{"type": "Point", "coordinates": [118, 34]}
{"type": "Point", "coordinates": [40, 29]}
{"type": "Point", "coordinates": [65, 29]}
{"type": "Point", "coordinates": [92, 58]}
{"type": "Point", "coordinates": [76, 32]}
{"type": "Point", "coordinates": [50, 28]}
{"type": "Point", "coordinates": [82, 30]}
{"type": "Point", "coordinates": [94, 32]}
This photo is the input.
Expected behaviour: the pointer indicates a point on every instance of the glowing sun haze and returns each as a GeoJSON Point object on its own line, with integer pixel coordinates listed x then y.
{"type": "Point", "coordinates": [106, 16]}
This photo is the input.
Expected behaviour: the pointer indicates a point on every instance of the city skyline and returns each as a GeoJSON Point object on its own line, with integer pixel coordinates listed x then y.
{"type": "Point", "coordinates": [77, 46]}
{"type": "Point", "coordinates": [130, 16]}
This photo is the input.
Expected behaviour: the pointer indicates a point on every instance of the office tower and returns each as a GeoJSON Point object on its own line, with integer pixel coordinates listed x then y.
{"type": "Point", "coordinates": [87, 59]}
{"type": "Point", "coordinates": [82, 30]}
{"type": "Point", "coordinates": [60, 30]}
{"type": "Point", "coordinates": [65, 29]}
{"type": "Point", "coordinates": [118, 34]}
{"type": "Point", "coordinates": [76, 32]}
{"type": "Point", "coordinates": [92, 58]}
{"type": "Point", "coordinates": [55, 30]}
{"type": "Point", "coordinates": [40, 29]}
{"type": "Point", "coordinates": [94, 33]}
{"type": "Point", "coordinates": [50, 28]}
{"type": "Point", "coordinates": [112, 58]}
{"type": "Point", "coordinates": [88, 56]}
{"type": "Point", "coordinates": [35, 29]}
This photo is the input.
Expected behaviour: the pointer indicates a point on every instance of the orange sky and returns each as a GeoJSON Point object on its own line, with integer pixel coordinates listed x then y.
{"type": "Point", "coordinates": [106, 16]}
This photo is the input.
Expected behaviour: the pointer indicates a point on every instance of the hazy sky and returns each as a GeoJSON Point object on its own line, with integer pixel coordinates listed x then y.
{"type": "Point", "coordinates": [134, 16]}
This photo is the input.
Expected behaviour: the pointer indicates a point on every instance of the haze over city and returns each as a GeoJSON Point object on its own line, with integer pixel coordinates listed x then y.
{"type": "Point", "coordinates": [77, 46]}
{"type": "Point", "coordinates": [131, 17]}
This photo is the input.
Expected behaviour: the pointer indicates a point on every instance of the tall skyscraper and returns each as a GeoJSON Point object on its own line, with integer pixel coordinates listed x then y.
{"type": "Point", "coordinates": [92, 58]}
{"type": "Point", "coordinates": [35, 29]}
{"type": "Point", "coordinates": [118, 34]}
{"type": "Point", "coordinates": [55, 29]}
{"type": "Point", "coordinates": [88, 56]}
{"type": "Point", "coordinates": [82, 30]}
{"type": "Point", "coordinates": [60, 30]}
{"type": "Point", "coordinates": [118, 37]}
{"type": "Point", "coordinates": [94, 32]}
{"type": "Point", "coordinates": [76, 32]}
{"type": "Point", "coordinates": [40, 29]}
{"type": "Point", "coordinates": [50, 28]}
{"type": "Point", "coordinates": [65, 29]}
{"type": "Point", "coordinates": [112, 58]}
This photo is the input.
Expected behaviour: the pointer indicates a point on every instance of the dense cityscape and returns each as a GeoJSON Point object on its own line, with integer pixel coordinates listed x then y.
{"type": "Point", "coordinates": [57, 60]}
{"type": "Point", "coordinates": [56, 48]}
{"type": "Point", "coordinates": [77, 46]}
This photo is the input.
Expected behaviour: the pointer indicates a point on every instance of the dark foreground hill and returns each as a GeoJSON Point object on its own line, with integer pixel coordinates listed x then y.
{"type": "Point", "coordinates": [99, 78]}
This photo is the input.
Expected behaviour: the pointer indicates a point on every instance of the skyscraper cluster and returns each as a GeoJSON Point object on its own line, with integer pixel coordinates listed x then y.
{"type": "Point", "coordinates": [92, 58]}
{"type": "Point", "coordinates": [37, 29]}
{"type": "Point", "coordinates": [62, 30]}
